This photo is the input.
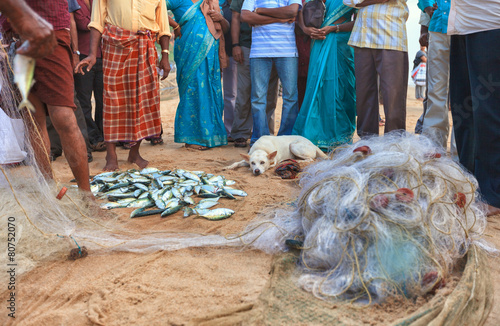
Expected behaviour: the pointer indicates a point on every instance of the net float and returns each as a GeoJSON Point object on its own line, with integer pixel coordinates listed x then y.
{"type": "Point", "coordinates": [61, 193]}
{"type": "Point", "coordinates": [365, 150]}
{"type": "Point", "coordinates": [379, 201]}
{"type": "Point", "coordinates": [460, 199]}
{"type": "Point", "coordinates": [404, 195]}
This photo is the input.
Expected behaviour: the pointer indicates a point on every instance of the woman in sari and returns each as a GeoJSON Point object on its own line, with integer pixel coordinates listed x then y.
{"type": "Point", "coordinates": [198, 120]}
{"type": "Point", "coordinates": [327, 116]}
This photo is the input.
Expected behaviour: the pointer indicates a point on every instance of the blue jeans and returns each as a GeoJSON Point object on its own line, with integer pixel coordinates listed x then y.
{"type": "Point", "coordinates": [260, 71]}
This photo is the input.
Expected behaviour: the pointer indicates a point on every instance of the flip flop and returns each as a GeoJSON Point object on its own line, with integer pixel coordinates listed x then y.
{"type": "Point", "coordinates": [197, 147]}
{"type": "Point", "coordinates": [156, 141]}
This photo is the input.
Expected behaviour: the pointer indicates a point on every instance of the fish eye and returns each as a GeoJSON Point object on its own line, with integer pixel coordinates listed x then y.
{"type": "Point", "coordinates": [262, 162]}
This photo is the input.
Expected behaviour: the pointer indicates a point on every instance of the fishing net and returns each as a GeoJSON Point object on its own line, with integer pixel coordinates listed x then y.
{"type": "Point", "coordinates": [384, 217]}
{"type": "Point", "coordinates": [43, 228]}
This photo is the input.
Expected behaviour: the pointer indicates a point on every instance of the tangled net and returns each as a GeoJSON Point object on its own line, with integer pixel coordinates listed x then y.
{"type": "Point", "coordinates": [385, 216]}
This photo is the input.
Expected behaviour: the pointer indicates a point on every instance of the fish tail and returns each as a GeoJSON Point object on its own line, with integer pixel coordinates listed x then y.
{"type": "Point", "coordinates": [25, 103]}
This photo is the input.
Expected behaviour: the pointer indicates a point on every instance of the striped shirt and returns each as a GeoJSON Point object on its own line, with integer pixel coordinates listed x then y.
{"type": "Point", "coordinates": [380, 26]}
{"type": "Point", "coordinates": [54, 11]}
{"type": "Point", "coordinates": [275, 40]}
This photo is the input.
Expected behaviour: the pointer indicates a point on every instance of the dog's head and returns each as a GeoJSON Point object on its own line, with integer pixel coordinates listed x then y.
{"type": "Point", "coordinates": [260, 161]}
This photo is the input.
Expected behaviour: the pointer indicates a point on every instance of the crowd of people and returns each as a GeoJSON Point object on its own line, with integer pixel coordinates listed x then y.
{"type": "Point", "coordinates": [230, 56]}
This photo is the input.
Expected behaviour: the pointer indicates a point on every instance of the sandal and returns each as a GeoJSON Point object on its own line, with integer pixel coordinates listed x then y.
{"type": "Point", "coordinates": [99, 147]}
{"type": "Point", "coordinates": [129, 145]}
{"type": "Point", "coordinates": [381, 122]}
{"type": "Point", "coordinates": [198, 147]}
{"type": "Point", "coordinates": [156, 141]}
{"type": "Point", "coordinates": [240, 142]}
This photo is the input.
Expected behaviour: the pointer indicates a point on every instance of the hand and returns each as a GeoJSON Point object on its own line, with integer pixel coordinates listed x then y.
{"type": "Point", "coordinates": [216, 16]}
{"type": "Point", "coordinates": [310, 30]}
{"type": "Point", "coordinates": [88, 62]}
{"type": "Point", "coordinates": [424, 39]}
{"type": "Point", "coordinates": [430, 10]}
{"type": "Point", "coordinates": [164, 65]}
{"type": "Point", "coordinates": [39, 34]}
{"type": "Point", "coordinates": [328, 29]}
{"type": "Point", "coordinates": [286, 20]}
{"type": "Point", "coordinates": [76, 59]}
{"type": "Point", "coordinates": [177, 32]}
{"type": "Point", "coordinates": [238, 54]}
{"type": "Point", "coordinates": [319, 34]}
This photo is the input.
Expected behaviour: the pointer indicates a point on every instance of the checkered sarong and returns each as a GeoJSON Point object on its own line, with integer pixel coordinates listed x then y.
{"type": "Point", "coordinates": [131, 87]}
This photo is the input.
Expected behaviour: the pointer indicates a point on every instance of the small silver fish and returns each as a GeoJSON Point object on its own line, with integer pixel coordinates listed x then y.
{"type": "Point", "coordinates": [24, 70]}
{"type": "Point", "coordinates": [217, 214]}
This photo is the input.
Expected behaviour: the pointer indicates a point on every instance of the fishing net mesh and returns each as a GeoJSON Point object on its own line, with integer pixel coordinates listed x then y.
{"type": "Point", "coordinates": [384, 217]}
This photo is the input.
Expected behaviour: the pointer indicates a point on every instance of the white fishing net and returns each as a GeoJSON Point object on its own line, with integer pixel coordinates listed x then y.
{"type": "Point", "coordinates": [386, 216]}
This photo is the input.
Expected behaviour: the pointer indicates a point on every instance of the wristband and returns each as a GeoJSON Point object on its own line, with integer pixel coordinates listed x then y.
{"type": "Point", "coordinates": [236, 44]}
{"type": "Point", "coordinates": [177, 27]}
{"type": "Point", "coordinates": [165, 51]}
{"type": "Point", "coordinates": [338, 28]}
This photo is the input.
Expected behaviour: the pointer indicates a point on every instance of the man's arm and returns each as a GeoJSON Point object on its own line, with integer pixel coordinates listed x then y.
{"type": "Point", "coordinates": [235, 36]}
{"type": "Point", "coordinates": [74, 39]}
{"type": "Point", "coordinates": [164, 63]}
{"type": "Point", "coordinates": [286, 12]}
{"type": "Point", "coordinates": [252, 18]}
{"type": "Point", "coordinates": [31, 27]}
{"type": "Point", "coordinates": [89, 62]}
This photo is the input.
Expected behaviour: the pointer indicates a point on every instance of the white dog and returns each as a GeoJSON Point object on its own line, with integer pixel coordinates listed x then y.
{"type": "Point", "coordinates": [267, 151]}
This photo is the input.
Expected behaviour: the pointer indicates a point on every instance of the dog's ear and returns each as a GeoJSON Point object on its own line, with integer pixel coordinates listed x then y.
{"type": "Point", "coordinates": [246, 157]}
{"type": "Point", "coordinates": [272, 155]}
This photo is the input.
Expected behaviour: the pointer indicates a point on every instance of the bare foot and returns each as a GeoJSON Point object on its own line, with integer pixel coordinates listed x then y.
{"type": "Point", "coordinates": [492, 211]}
{"type": "Point", "coordinates": [142, 163]}
{"type": "Point", "coordinates": [135, 157]}
{"type": "Point", "coordinates": [111, 165]}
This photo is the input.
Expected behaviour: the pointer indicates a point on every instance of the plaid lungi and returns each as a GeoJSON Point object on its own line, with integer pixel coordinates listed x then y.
{"type": "Point", "coordinates": [131, 88]}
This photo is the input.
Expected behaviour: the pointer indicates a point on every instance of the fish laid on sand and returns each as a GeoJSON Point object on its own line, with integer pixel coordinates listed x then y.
{"type": "Point", "coordinates": [24, 70]}
{"type": "Point", "coordinates": [165, 192]}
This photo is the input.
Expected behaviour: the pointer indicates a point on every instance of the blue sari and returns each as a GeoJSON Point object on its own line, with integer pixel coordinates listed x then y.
{"type": "Point", "coordinates": [327, 116]}
{"type": "Point", "coordinates": [198, 119]}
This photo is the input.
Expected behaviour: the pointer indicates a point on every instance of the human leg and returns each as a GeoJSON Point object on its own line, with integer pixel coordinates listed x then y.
{"type": "Point", "coordinates": [483, 58]}
{"type": "Point", "coordinates": [72, 142]}
{"type": "Point", "coordinates": [392, 66]}
{"type": "Point", "coordinates": [242, 123]}
{"type": "Point", "coordinates": [367, 106]}
{"type": "Point", "coordinates": [135, 157]}
{"type": "Point", "coordinates": [111, 157]}
{"type": "Point", "coordinates": [287, 69]}
{"type": "Point", "coordinates": [260, 69]}
{"type": "Point", "coordinates": [229, 80]}
{"type": "Point", "coordinates": [272, 99]}
{"type": "Point", "coordinates": [461, 102]}
{"type": "Point", "coordinates": [436, 124]}
{"type": "Point", "coordinates": [39, 138]}
{"type": "Point", "coordinates": [84, 85]}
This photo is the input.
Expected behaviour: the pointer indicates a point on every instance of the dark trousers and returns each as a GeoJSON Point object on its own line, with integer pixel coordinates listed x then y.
{"type": "Point", "coordinates": [55, 141]}
{"type": "Point", "coordinates": [475, 107]}
{"type": "Point", "coordinates": [92, 81]}
{"type": "Point", "coordinates": [392, 67]}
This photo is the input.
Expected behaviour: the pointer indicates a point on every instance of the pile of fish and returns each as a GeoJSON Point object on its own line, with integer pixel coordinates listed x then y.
{"type": "Point", "coordinates": [152, 191]}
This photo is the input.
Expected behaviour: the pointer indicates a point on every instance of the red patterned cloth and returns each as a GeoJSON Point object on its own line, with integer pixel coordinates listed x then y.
{"type": "Point", "coordinates": [54, 11]}
{"type": "Point", "coordinates": [131, 86]}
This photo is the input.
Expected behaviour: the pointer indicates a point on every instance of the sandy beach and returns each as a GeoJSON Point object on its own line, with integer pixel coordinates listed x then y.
{"type": "Point", "coordinates": [173, 287]}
